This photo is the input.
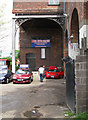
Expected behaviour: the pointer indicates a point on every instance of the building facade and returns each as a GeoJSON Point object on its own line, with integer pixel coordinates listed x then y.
{"type": "Point", "coordinates": [41, 32]}
{"type": "Point", "coordinates": [51, 30]}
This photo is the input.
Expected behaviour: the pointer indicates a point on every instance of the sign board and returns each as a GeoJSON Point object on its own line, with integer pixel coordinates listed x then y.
{"type": "Point", "coordinates": [24, 66]}
{"type": "Point", "coordinates": [40, 43]}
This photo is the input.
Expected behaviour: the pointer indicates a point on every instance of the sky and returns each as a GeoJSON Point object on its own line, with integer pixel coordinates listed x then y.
{"type": "Point", "coordinates": [6, 30]}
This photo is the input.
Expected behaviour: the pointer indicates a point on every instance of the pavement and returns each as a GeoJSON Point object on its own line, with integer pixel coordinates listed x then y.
{"type": "Point", "coordinates": [35, 100]}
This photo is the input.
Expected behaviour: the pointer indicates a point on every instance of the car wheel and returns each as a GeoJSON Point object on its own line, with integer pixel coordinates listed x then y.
{"type": "Point", "coordinates": [7, 81]}
{"type": "Point", "coordinates": [61, 77]}
{"type": "Point", "coordinates": [30, 80]}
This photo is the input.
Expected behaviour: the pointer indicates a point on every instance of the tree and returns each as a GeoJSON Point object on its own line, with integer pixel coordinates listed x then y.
{"type": "Point", "coordinates": [2, 7]}
{"type": "Point", "coordinates": [5, 28]}
{"type": "Point", "coordinates": [3, 20]}
{"type": "Point", "coordinates": [17, 54]}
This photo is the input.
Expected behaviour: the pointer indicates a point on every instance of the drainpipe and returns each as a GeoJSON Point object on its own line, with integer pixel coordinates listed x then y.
{"type": "Point", "coordinates": [64, 6]}
{"type": "Point", "coordinates": [67, 17]}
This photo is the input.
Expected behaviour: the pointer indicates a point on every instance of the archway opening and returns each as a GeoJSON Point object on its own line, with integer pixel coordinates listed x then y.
{"type": "Point", "coordinates": [42, 29]}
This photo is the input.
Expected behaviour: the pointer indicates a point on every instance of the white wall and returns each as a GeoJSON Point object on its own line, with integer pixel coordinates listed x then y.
{"type": "Point", "coordinates": [83, 32]}
{"type": "Point", "coordinates": [73, 47]}
{"type": "Point", "coordinates": [73, 50]}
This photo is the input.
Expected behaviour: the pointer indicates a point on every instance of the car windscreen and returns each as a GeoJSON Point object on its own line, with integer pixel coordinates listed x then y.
{"type": "Point", "coordinates": [53, 70]}
{"type": "Point", "coordinates": [22, 71]}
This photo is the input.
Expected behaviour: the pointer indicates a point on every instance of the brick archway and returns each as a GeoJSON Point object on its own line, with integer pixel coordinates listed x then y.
{"type": "Point", "coordinates": [74, 34]}
{"type": "Point", "coordinates": [42, 29]}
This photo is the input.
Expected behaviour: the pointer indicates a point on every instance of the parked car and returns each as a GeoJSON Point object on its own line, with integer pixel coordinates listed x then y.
{"type": "Point", "coordinates": [54, 72]}
{"type": "Point", "coordinates": [23, 75]}
{"type": "Point", "coordinates": [53, 67]}
{"type": "Point", "coordinates": [61, 72]}
{"type": "Point", "coordinates": [6, 75]}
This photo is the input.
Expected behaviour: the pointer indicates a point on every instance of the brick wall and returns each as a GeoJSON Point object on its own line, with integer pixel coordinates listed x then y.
{"type": "Point", "coordinates": [80, 9]}
{"type": "Point", "coordinates": [36, 8]}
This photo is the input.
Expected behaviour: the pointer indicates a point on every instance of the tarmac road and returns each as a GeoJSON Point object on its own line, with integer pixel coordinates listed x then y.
{"type": "Point", "coordinates": [35, 100]}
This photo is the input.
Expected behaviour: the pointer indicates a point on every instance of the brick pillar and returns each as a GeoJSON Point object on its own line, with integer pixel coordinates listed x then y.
{"type": "Point", "coordinates": [81, 72]}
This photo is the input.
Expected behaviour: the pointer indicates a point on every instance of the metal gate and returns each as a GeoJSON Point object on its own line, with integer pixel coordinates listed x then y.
{"type": "Point", "coordinates": [30, 59]}
{"type": "Point", "coordinates": [70, 83]}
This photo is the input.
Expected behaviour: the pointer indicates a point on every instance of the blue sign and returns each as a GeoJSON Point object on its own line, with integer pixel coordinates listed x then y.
{"type": "Point", "coordinates": [24, 66]}
{"type": "Point", "coordinates": [40, 43]}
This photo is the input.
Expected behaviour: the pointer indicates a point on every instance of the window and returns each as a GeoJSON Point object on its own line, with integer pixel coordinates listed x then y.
{"type": "Point", "coordinates": [42, 53]}
{"type": "Point", "coordinates": [53, 2]}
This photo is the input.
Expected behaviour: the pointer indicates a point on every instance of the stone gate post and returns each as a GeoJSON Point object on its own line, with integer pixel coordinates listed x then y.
{"type": "Point", "coordinates": [81, 75]}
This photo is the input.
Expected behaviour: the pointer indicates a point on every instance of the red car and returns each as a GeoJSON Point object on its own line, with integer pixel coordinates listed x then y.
{"type": "Point", "coordinates": [23, 76]}
{"type": "Point", "coordinates": [53, 67]}
{"type": "Point", "coordinates": [54, 72]}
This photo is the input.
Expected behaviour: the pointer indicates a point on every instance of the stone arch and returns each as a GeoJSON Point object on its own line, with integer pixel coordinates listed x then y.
{"type": "Point", "coordinates": [74, 29]}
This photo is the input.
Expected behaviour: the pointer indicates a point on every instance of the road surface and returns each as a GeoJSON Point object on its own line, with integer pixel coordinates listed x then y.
{"type": "Point", "coordinates": [35, 100]}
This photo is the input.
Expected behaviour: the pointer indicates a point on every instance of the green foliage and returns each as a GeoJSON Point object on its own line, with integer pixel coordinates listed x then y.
{"type": "Point", "coordinates": [80, 116]}
{"type": "Point", "coordinates": [9, 58]}
{"type": "Point", "coordinates": [69, 114]}
{"type": "Point", "coordinates": [17, 53]}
